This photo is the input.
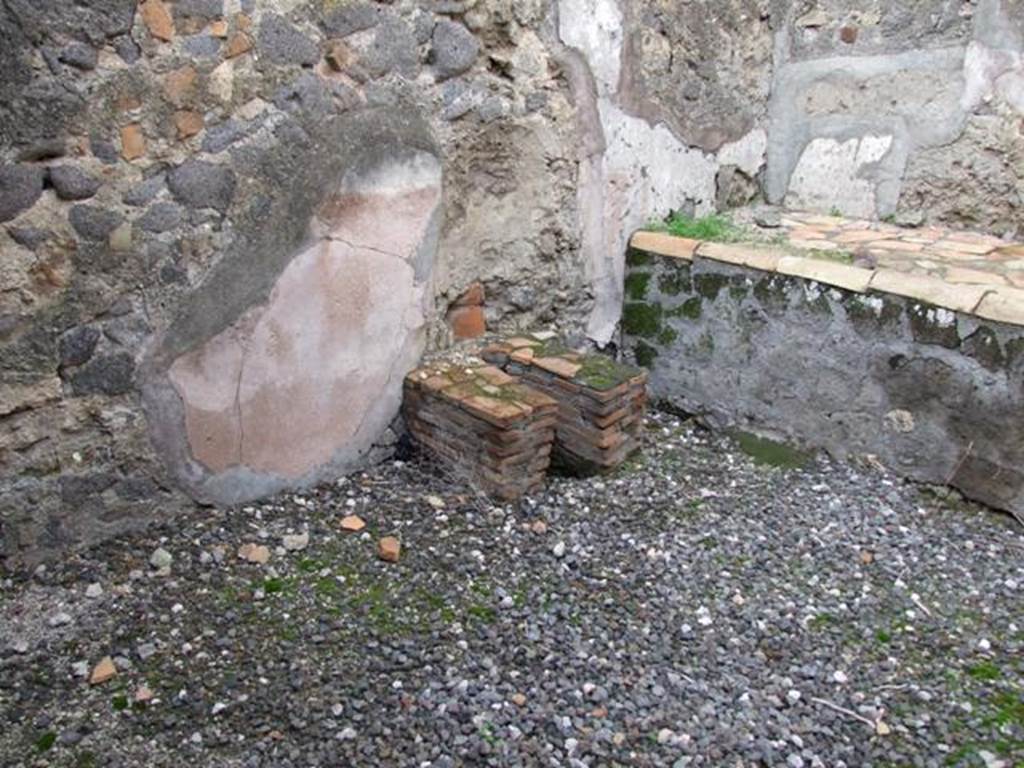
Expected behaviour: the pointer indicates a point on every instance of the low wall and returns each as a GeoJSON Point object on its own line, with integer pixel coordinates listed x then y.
{"type": "Point", "coordinates": [934, 394]}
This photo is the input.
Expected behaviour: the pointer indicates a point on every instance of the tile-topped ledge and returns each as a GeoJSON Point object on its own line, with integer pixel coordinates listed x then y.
{"type": "Point", "coordinates": [967, 272]}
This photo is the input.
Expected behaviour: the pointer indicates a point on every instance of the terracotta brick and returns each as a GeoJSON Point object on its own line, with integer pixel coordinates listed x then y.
{"type": "Point", "coordinates": [1004, 305]}
{"type": "Point", "coordinates": [755, 257]}
{"type": "Point", "coordinates": [133, 142]}
{"type": "Point", "coordinates": [157, 18]}
{"type": "Point", "coordinates": [239, 43]}
{"type": "Point", "coordinates": [188, 123]}
{"type": "Point", "coordinates": [933, 290]}
{"type": "Point", "coordinates": [219, 28]}
{"type": "Point", "coordinates": [558, 366]}
{"type": "Point", "coordinates": [664, 244]}
{"type": "Point", "coordinates": [179, 85]}
{"type": "Point", "coordinates": [827, 272]}
{"type": "Point", "coordinates": [472, 297]}
{"type": "Point", "coordinates": [523, 355]}
{"type": "Point", "coordinates": [467, 322]}
{"type": "Point", "coordinates": [974, 276]}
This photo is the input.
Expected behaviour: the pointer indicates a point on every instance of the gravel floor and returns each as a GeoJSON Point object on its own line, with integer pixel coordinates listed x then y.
{"type": "Point", "coordinates": [694, 609]}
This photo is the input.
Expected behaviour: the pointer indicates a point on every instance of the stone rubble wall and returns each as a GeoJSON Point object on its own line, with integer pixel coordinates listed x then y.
{"type": "Point", "coordinates": [931, 393]}
{"type": "Point", "coordinates": [229, 227]}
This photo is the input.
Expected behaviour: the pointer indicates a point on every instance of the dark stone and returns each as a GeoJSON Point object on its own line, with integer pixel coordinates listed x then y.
{"type": "Point", "coordinates": [80, 56]}
{"type": "Point", "coordinates": [207, 10]}
{"type": "Point", "coordinates": [104, 150]}
{"type": "Point", "coordinates": [983, 345]}
{"type": "Point", "coordinates": [29, 237]}
{"type": "Point", "coordinates": [128, 50]}
{"type": "Point", "coordinates": [78, 345]}
{"type": "Point", "coordinates": [93, 222]}
{"type": "Point", "coordinates": [199, 184]}
{"type": "Point", "coordinates": [220, 137]}
{"type": "Point", "coordinates": [71, 183]}
{"type": "Point", "coordinates": [394, 49]}
{"type": "Point", "coordinates": [144, 192]}
{"type": "Point", "coordinates": [136, 489]}
{"type": "Point", "coordinates": [172, 274]}
{"type": "Point", "coordinates": [127, 331]}
{"type": "Point", "coordinates": [75, 489]}
{"type": "Point", "coordinates": [308, 95]}
{"type": "Point", "coordinates": [20, 187]}
{"type": "Point", "coordinates": [161, 217]}
{"type": "Point", "coordinates": [453, 49]}
{"type": "Point", "coordinates": [352, 17]}
{"type": "Point", "coordinates": [202, 46]}
{"type": "Point", "coordinates": [108, 375]}
{"type": "Point", "coordinates": [280, 43]}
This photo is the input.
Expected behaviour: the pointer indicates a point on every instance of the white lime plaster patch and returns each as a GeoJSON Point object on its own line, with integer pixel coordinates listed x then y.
{"type": "Point", "coordinates": [831, 175]}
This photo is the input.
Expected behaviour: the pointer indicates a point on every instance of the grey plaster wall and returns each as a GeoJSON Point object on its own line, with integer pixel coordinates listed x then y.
{"type": "Point", "coordinates": [934, 395]}
{"type": "Point", "coordinates": [910, 108]}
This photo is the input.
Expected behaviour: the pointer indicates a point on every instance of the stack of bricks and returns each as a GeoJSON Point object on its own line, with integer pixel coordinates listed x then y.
{"type": "Point", "coordinates": [601, 403]}
{"type": "Point", "coordinates": [483, 423]}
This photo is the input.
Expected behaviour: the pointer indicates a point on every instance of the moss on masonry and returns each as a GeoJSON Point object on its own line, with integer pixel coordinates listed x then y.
{"type": "Point", "coordinates": [637, 258]}
{"type": "Point", "coordinates": [644, 354]}
{"type": "Point", "coordinates": [690, 309]}
{"type": "Point", "coordinates": [983, 345]}
{"type": "Point", "coordinates": [872, 313]}
{"type": "Point", "coordinates": [667, 337]}
{"type": "Point", "coordinates": [710, 285]}
{"type": "Point", "coordinates": [675, 282]}
{"type": "Point", "coordinates": [933, 325]}
{"type": "Point", "coordinates": [636, 285]}
{"type": "Point", "coordinates": [639, 319]}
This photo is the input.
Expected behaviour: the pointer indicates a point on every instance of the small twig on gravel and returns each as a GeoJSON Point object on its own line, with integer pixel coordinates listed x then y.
{"type": "Point", "coordinates": [917, 601]}
{"type": "Point", "coordinates": [849, 712]}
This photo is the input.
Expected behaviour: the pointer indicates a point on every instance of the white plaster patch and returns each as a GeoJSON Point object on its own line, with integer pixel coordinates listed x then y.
{"type": "Point", "coordinates": [594, 27]}
{"type": "Point", "coordinates": [990, 72]}
{"type": "Point", "coordinates": [830, 175]}
{"type": "Point", "coordinates": [747, 153]}
{"type": "Point", "coordinates": [645, 173]}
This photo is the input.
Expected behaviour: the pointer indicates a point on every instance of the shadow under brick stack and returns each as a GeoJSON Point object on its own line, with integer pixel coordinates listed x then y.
{"type": "Point", "coordinates": [601, 403]}
{"type": "Point", "coordinates": [482, 422]}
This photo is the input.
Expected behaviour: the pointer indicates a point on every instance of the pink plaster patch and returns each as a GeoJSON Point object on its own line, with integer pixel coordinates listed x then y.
{"type": "Point", "coordinates": [318, 368]}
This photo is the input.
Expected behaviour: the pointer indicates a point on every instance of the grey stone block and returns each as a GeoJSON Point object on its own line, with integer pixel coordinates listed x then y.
{"type": "Point", "coordinates": [199, 184]}
{"type": "Point", "coordinates": [281, 43]}
{"type": "Point", "coordinates": [453, 49]}
{"type": "Point", "coordinates": [93, 222]}
{"type": "Point", "coordinates": [71, 183]}
{"type": "Point", "coordinates": [161, 217]}
{"type": "Point", "coordinates": [108, 375]}
{"type": "Point", "coordinates": [20, 187]}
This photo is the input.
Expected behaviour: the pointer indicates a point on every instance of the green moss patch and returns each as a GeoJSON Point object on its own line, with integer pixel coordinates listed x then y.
{"type": "Point", "coordinates": [601, 372]}
{"type": "Point", "coordinates": [769, 452]}
{"type": "Point", "coordinates": [713, 228]}
{"type": "Point", "coordinates": [675, 282]}
{"type": "Point", "coordinates": [639, 319]}
{"type": "Point", "coordinates": [710, 285]}
{"type": "Point", "coordinates": [637, 258]}
{"type": "Point", "coordinates": [636, 285]}
{"type": "Point", "coordinates": [644, 354]}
